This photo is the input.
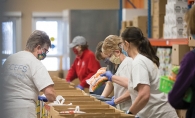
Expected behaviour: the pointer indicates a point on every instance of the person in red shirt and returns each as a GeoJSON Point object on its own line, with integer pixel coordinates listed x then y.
{"type": "Point", "coordinates": [85, 64]}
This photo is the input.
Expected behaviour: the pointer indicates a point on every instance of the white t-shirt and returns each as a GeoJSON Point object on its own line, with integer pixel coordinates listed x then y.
{"type": "Point", "coordinates": [124, 70]}
{"type": "Point", "coordinates": [25, 76]}
{"type": "Point", "coordinates": [144, 71]}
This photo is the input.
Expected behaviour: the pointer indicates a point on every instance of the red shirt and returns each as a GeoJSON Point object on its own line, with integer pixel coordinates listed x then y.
{"type": "Point", "coordinates": [83, 68]}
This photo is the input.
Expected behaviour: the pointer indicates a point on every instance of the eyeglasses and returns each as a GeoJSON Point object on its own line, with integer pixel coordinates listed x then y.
{"type": "Point", "coordinates": [46, 51]}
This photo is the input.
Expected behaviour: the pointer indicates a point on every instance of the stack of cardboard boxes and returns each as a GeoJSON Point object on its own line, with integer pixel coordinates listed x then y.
{"type": "Point", "coordinates": [174, 19]}
{"type": "Point", "coordinates": [138, 21]}
{"type": "Point", "coordinates": [125, 24]}
{"type": "Point", "coordinates": [158, 18]}
{"type": "Point", "coordinates": [141, 22]}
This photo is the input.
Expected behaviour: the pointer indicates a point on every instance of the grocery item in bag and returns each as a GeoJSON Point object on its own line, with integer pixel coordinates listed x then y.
{"type": "Point", "coordinates": [96, 80]}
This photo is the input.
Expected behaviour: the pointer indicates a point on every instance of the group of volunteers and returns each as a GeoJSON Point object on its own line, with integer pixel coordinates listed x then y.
{"type": "Point", "coordinates": [132, 72]}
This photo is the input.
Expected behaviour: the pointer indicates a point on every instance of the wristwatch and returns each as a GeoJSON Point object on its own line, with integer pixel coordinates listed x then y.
{"type": "Point", "coordinates": [128, 112]}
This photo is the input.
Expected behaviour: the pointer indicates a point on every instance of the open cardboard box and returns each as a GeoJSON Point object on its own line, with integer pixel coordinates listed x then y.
{"type": "Point", "coordinates": [63, 87]}
{"type": "Point", "coordinates": [64, 92]}
{"type": "Point", "coordinates": [92, 111]}
{"type": "Point", "coordinates": [79, 98]}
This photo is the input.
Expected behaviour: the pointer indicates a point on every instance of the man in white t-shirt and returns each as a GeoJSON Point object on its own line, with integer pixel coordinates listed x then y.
{"type": "Point", "coordinates": [25, 76]}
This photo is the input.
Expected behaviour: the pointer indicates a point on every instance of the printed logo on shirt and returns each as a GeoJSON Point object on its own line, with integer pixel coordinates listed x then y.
{"type": "Point", "coordinates": [78, 63]}
{"type": "Point", "coordinates": [83, 63]}
{"type": "Point", "coordinates": [17, 70]}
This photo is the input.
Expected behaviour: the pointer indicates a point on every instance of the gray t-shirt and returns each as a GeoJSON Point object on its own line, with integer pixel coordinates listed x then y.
{"type": "Point", "coordinates": [124, 70]}
{"type": "Point", "coordinates": [144, 71]}
{"type": "Point", "coordinates": [24, 77]}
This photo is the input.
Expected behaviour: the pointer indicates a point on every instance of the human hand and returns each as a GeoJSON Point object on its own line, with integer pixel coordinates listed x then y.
{"type": "Point", "coordinates": [108, 74]}
{"type": "Point", "coordinates": [111, 102]}
{"type": "Point", "coordinates": [42, 98]}
{"type": "Point", "coordinates": [113, 97]}
{"type": "Point", "coordinates": [80, 87]}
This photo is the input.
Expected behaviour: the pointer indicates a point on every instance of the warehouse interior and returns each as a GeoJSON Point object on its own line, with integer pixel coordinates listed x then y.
{"type": "Point", "coordinates": [162, 22]}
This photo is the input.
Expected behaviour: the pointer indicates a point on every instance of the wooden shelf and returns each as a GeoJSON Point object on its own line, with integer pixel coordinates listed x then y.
{"type": "Point", "coordinates": [167, 42]}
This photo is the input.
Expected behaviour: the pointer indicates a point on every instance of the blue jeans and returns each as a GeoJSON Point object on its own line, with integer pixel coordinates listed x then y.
{"type": "Point", "coordinates": [99, 90]}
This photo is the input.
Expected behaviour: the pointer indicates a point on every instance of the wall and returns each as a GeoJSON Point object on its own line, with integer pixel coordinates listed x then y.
{"type": "Point", "coordinates": [29, 6]}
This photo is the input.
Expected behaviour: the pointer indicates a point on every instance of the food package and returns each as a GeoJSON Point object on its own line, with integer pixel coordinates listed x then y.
{"type": "Point", "coordinates": [96, 80]}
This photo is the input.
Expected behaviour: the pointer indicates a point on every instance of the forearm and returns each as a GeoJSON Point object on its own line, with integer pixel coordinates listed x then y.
{"type": "Point", "coordinates": [71, 76]}
{"type": "Point", "coordinates": [142, 98]}
{"type": "Point", "coordinates": [124, 97]}
{"type": "Point", "coordinates": [50, 93]}
{"type": "Point", "coordinates": [120, 80]}
{"type": "Point", "coordinates": [138, 105]}
{"type": "Point", "coordinates": [108, 89]}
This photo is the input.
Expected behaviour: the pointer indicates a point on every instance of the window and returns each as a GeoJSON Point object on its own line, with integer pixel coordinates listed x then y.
{"type": "Point", "coordinates": [53, 25]}
{"type": "Point", "coordinates": [11, 34]}
{"type": "Point", "coordinates": [8, 39]}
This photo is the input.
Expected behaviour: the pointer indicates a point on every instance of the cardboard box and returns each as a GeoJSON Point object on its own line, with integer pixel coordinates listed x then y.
{"type": "Point", "coordinates": [191, 42]}
{"type": "Point", "coordinates": [123, 24]}
{"type": "Point", "coordinates": [157, 31]}
{"type": "Point", "coordinates": [157, 26]}
{"type": "Point", "coordinates": [142, 23]}
{"type": "Point", "coordinates": [178, 52]}
{"type": "Point", "coordinates": [159, 6]}
{"type": "Point", "coordinates": [158, 20]}
{"type": "Point", "coordinates": [94, 111]}
{"type": "Point", "coordinates": [129, 23]}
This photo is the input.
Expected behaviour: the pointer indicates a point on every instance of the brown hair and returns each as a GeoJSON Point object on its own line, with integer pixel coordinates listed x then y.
{"type": "Point", "coordinates": [37, 38]}
{"type": "Point", "coordinates": [98, 51]}
{"type": "Point", "coordinates": [135, 36]}
{"type": "Point", "coordinates": [84, 47]}
{"type": "Point", "coordinates": [111, 43]}
{"type": "Point", "coordinates": [190, 20]}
